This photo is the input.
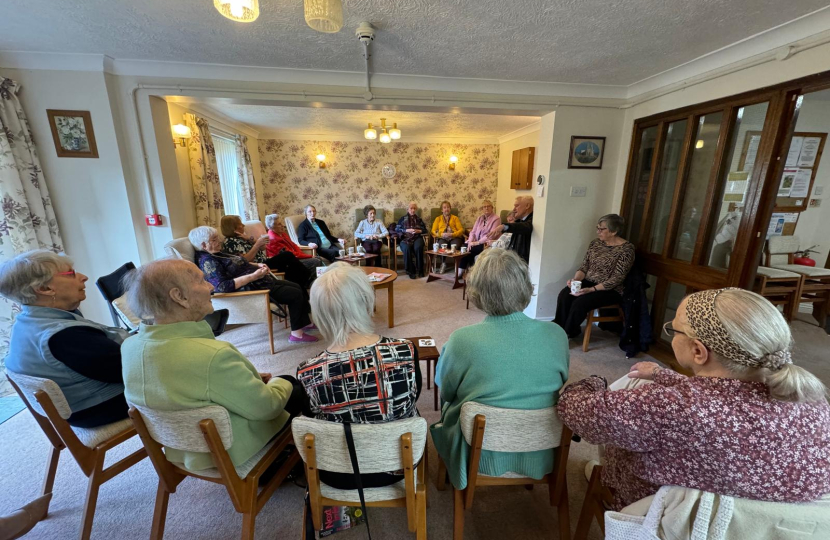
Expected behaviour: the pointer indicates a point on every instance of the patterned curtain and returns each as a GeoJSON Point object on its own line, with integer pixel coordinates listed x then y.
{"type": "Point", "coordinates": [245, 172]}
{"type": "Point", "coordinates": [28, 220]}
{"type": "Point", "coordinates": [207, 191]}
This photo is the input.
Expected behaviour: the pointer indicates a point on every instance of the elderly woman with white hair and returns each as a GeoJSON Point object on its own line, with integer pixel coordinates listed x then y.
{"type": "Point", "coordinates": [361, 377]}
{"type": "Point", "coordinates": [509, 360]}
{"type": "Point", "coordinates": [50, 338]}
{"type": "Point", "coordinates": [279, 241]}
{"type": "Point", "coordinates": [748, 423]}
{"type": "Point", "coordinates": [177, 364]}
{"type": "Point", "coordinates": [229, 273]}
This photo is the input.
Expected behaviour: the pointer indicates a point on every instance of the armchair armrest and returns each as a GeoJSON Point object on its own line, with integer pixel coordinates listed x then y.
{"type": "Point", "coordinates": [311, 249]}
{"type": "Point", "coordinates": [238, 293]}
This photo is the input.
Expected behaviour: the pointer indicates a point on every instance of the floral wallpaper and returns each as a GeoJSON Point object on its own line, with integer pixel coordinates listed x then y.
{"type": "Point", "coordinates": [353, 178]}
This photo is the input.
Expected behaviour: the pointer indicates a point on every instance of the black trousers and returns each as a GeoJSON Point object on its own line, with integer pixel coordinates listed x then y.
{"type": "Point", "coordinates": [292, 295]}
{"type": "Point", "coordinates": [107, 412]}
{"type": "Point", "coordinates": [295, 271]}
{"type": "Point", "coordinates": [329, 253]}
{"type": "Point", "coordinates": [372, 246]}
{"type": "Point", "coordinates": [470, 260]}
{"type": "Point", "coordinates": [571, 310]}
{"type": "Point", "coordinates": [413, 255]}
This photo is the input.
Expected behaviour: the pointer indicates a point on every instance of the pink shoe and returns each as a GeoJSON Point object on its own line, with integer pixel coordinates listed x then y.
{"type": "Point", "coordinates": [311, 326]}
{"type": "Point", "coordinates": [307, 338]}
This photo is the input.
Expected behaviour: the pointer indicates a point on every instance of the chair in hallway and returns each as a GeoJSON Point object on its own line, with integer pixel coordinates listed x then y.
{"type": "Point", "coordinates": [389, 446]}
{"type": "Point", "coordinates": [208, 429]}
{"type": "Point", "coordinates": [88, 446]}
{"type": "Point", "coordinates": [511, 430]}
{"type": "Point", "coordinates": [815, 284]}
{"type": "Point", "coordinates": [780, 287]}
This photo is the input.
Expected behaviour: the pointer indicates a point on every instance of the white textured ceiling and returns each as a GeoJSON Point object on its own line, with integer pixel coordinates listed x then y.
{"type": "Point", "coordinates": [340, 124]}
{"type": "Point", "coordinates": [571, 41]}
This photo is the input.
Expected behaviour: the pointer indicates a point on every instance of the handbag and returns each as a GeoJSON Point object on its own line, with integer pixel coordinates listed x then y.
{"type": "Point", "coordinates": [619, 526]}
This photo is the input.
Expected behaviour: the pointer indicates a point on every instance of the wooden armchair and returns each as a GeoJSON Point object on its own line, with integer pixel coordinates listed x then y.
{"type": "Point", "coordinates": [208, 429]}
{"type": "Point", "coordinates": [511, 430]}
{"type": "Point", "coordinates": [395, 249]}
{"type": "Point", "coordinates": [380, 448]}
{"type": "Point", "coordinates": [88, 446]}
{"type": "Point", "coordinates": [815, 283]}
{"type": "Point", "coordinates": [385, 248]}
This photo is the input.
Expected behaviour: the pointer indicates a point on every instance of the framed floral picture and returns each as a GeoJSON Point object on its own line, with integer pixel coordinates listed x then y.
{"type": "Point", "coordinates": [73, 134]}
{"type": "Point", "coordinates": [586, 152]}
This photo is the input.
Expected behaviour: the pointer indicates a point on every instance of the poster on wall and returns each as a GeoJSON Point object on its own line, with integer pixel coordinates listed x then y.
{"type": "Point", "coordinates": [809, 151]}
{"type": "Point", "coordinates": [801, 182]}
{"type": "Point", "coordinates": [795, 151]}
{"type": "Point", "coordinates": [787, 180]}
{"type": "Point", "coordinates": [776, 225]}
{"type": "Point", "coordinates": [735, 187]}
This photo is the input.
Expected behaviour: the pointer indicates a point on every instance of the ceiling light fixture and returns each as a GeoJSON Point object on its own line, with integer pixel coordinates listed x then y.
{"type": "Point", "coordinates": [324, 15]}
{"type": "Point", "coordinates": [395, 133]}
{"type": "Point", "coordinates": [387, 135]}
{"type": "Point", "coordinates": [370, 133]}
{"type": "Point", "coordinates": [385, 138]}
{"type": "Point", "coordinates": [238, 10]}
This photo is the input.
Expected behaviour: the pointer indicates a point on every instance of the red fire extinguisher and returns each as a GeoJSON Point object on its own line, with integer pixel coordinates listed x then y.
{"type": "Point", "coordinates": [803, 256]}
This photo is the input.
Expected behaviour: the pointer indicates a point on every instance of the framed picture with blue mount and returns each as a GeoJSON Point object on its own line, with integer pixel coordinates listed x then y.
{"type": "Point", "coordinates": [72, 133]}
{"type": "Point", "coordinates": [586, 152]}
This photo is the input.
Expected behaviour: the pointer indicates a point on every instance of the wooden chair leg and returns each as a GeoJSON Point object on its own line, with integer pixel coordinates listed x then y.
{"type": "Point", "coordinates": [441, 480]}
{"type": "Point", "coordinates": [249, 524]}
{"type": "Point", "coordinates": [94, 483]}
{"type": "Point", "coordinates": [586, 515]}
{"type": "Point", "coordinates": [588, 326]}
{"type": "Point", "coordinates": [51, 469]}
{"type": "Point", "coordinates": [421, 509]}
{"type": "Point", "coordinates": [458, 514]}
{"type": "Point", "coordinates": [160, 512]}
{"type": "Point", "coordinates": [563, 510]}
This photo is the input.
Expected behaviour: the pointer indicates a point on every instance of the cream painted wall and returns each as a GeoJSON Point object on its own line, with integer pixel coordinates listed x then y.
{"type": "Point", "coordinates": [505, 195]}
{"type": "Point", "coordinates": [89, 195]}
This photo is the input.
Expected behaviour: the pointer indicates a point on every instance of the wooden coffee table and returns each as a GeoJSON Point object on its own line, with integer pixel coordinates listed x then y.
{"type": "Point", "coordinates": [387, 284]}
{"type": "Point", "coordinates": [428, 355]}
{"type": "Point", "coordinates": [356, 259]}
{"type": "Point", "coordinates": [456, 257]}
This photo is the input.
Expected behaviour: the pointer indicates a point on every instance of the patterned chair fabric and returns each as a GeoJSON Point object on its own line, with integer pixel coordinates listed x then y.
{"type": "Point", "coordinates": [292, 223]}
{"type": "Point", "coordinates": [180, 429]}
{"type": "Point", "coordinates": [513, 430]}
{"type": "Point", "coordinates": [254, 228]}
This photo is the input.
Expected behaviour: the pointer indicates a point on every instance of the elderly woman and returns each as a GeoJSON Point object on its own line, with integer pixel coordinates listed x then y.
{"type": "Point", "coordinates": [236, 243]}
{"type": "Point", "coordinates": [410, 230]}
{"type": "Point", "coordinates": [509, 361]}
{"type": "Point", "coordinates": [371, 232]}
{"type": "Point", "coordinates": [229, 273]}
{"type": "Point", "coordinates": [177, 364]}
{"type": "Point", "coordinates": [314, 232]}
{"type": "Point", "coordinates": [486, 224]}
{"type": "Point", "coordinates": [447, 229]}
{"type": "Point", "coordinates": [602, 273]}
{"type": "Point", "coordinates": [52, 340]}
{"type": "Point", "coordinates": [279, 241]}
{"type": "Point", "coordinates": [748, 423]}
{"type": "Point", "coordinates": [361, 377]}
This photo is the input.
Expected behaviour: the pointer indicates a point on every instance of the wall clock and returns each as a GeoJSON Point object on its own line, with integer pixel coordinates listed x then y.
{"type": "Point", "coordinates": [388, 171]}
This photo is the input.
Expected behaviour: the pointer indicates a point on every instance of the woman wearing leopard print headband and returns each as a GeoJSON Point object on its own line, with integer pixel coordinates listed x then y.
{"type": "Point", "coordinates": [748, 423]}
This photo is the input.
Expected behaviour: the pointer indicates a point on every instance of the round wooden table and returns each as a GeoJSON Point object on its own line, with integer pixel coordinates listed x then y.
{"type": "Point", "coordinates": [387, 284]}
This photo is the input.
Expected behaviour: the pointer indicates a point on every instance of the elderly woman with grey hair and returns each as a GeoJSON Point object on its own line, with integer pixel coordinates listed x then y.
{"type": "Point", "coordinates": [361, 377]}
{"type": "Point", "coordinates": [601, 275]}
{"type": "Point", "coordinates": [229, 273]}
{"type": "Point", "coordinates": [279, 241]}
{"type": "Point", "coordinates": [509, 360]}
{"type": "Point", "coordinates": [177, 364]}
{"type": "Point", "coordinates": [51, 339]}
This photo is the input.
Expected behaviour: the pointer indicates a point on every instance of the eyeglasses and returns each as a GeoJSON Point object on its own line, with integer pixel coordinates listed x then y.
{"type": "Point", "coordinates": [600, 229]}
{"type": "Point", "coordinates": [70, 273]}
{"type": "Point", "coordinates": [671, 331]}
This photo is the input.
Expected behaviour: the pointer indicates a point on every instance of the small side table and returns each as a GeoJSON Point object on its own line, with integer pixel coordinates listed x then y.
{"type": "Point", "coordinates": [356, 259]}
{"type": "Point", "coordinates": [455, 256]}
{"type": "Point", "coordinates": [428, 354]}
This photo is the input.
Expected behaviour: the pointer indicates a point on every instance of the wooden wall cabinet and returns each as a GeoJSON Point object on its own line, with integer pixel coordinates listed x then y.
{"type": "Point", "coordinates": [521, 176]}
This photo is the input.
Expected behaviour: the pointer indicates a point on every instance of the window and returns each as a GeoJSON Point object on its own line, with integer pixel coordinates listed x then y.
{"type": "Point", "coordinates": [228, 175]}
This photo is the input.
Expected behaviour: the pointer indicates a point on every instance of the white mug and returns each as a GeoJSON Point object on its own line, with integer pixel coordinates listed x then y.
{"type": "Point", "coordinates": [463, 249]}
{"type": "Point", "coordinates": [435, 246]}
{"type": "Point", "coordinates": [361, 250]}
{"type": "Point", "coordinates": [452, 248]}
{"type": "Point", "coordinates": [342, 252]}
{"type": "Point", "coordinates": [351, 251]}
{"type": "Point", "coordinates": [444, 247]}
{"type": "Point", "coordinates": [576, 286]}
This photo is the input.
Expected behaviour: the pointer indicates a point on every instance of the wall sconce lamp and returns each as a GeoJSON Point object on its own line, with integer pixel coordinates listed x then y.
{"type": "Point", "coordinates": [699, 144]}
{"type": "Point", "coordinates": [453, 161]}
{"type": "Point", "coordinates": [321, 160]}
{"type": "Point", "coordinates": [180, 135]}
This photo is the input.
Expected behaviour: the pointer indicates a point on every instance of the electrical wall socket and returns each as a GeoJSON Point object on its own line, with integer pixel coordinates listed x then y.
{"type": "Point", "coordinates": [578, 191]}
{"type": "Point", "coordinates": [818, 190]}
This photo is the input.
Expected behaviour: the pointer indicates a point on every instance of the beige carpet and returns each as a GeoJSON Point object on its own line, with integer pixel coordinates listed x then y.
{"type": "Point", "coordinates": [203, 511]}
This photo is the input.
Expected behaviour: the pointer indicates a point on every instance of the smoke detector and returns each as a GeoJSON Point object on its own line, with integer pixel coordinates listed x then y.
{"type": "Point", "coordinates": [365, 33]}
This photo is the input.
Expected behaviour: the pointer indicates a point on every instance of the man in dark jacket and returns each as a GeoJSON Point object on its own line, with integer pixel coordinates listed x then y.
{"type": "Point", "coordinates": [314, 233]}
{"type": "Point", "coordinates": [521, 227]}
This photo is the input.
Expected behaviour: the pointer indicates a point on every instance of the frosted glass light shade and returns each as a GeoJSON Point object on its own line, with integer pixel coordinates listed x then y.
{"type": "Point", "coordinates": [395, 133]}
{"type": "Point", "coordinates": [370, 133]}
{"type": "Point", "coordinates": [181, 131]}
{"type": "Point", "coordinates": [238, 10]}
{"type": "Point", "coordinates": [324, 15]}
{"type": "Point", "coordinates": [385, 138]}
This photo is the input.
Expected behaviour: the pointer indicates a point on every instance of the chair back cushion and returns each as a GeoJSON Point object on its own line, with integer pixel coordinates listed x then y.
{"type": "Point", "coordinates": [125, 314]}
{"type": "Point", "coordinates": [181, 248]}
{"type": "Point", "coordinates": [111, 287]}
{"type": "Point", "coordinates": [780, 248]}
{"type": "Point", "coordinates": [435, 212]}
{"type": "Point", "coordinates": [513, 430]}
{"type": "Point", "coordinates": [180, 429]}
{"type": "Point", "coordinates": [503, 215]}
{"type": "Point", "coordinates": [29, 385]}
{"type": "Point", "coordinates": [378, 446]}
{"type": "Point", "coordinates": [254, 228]}
{"type": "Point", "coordinates": [398, 213]}
{"type": "Point", "coordinates": [358, 216]}
{"type": "Point", "coordinates": [292, 223]}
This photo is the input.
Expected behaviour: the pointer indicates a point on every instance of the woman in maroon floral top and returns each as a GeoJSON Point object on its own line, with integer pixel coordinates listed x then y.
{"type": "Point", "coordinates": [748, 424]}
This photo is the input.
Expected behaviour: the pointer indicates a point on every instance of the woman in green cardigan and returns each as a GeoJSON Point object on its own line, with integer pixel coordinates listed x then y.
{"type": "Point", "coordinates": [176, 363]}
{"type": "Point", "coordinates": [509, 360]}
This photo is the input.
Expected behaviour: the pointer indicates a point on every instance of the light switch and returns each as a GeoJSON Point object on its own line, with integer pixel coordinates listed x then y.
{"type": "Point", "coordinates": [818, 190]}
{"type": "Point", "coordinates": [578, 191]}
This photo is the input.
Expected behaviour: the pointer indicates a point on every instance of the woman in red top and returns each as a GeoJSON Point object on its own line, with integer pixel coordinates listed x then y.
{"type": "Point", "coordinates": [748, 424]}
{"type": "Point", "coordinates": [279, 240]}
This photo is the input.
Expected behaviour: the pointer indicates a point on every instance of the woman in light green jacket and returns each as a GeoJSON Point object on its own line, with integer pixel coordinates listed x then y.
{"type": "Point", "coordinates": [176, 363]}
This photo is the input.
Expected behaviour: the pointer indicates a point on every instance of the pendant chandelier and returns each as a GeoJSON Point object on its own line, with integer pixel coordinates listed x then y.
{"type": "Point", "coordinates": [387, 135]}
{"type": "Point", "coordinates": [324, 15]}
{"type": "Point", "coordinates": [238, 10]}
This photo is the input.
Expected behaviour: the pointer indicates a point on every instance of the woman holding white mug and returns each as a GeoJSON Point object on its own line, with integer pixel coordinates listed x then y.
{"type": "Point", "coordinates": [599, 280]}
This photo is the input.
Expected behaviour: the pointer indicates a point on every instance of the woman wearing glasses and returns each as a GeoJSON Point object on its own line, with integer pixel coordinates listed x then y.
{"type": "Point", "coordinates": [748, 423]}
{"type": "Point", "coordinates": [602, 273]}
{"type": "Point", "coordinates": [52, 340]}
